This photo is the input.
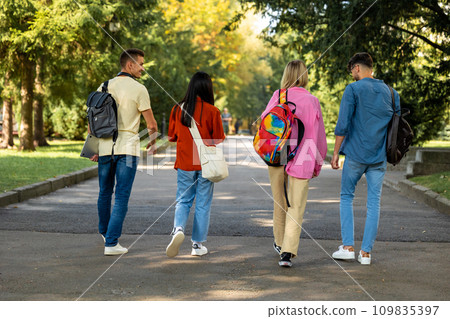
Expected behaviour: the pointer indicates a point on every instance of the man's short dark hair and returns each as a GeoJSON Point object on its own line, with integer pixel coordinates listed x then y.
{"type": "Point", "coordinates": [360, 58]}
{"type": "Point", "coordinates": [125, 56]}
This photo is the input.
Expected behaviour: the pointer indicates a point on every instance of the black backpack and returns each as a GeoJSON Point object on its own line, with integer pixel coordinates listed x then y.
{"type": "Point", "coordinates": [399, 135]}
{"type": "Point", "coordinates": [102, 114]}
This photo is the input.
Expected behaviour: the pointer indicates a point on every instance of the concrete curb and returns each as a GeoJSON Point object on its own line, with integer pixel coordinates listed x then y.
{"type": "Point", "coordinates": [425, 195]}
{"type": "Point", "coordinates": [391, 184]}
{"type": "Point", "coordinates": [8, 198]}
{"type": "Point", "coordinates": [21, 194]}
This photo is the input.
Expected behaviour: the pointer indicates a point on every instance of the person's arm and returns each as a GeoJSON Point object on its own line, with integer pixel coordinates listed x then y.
{"type": "Point", "coordinates": [144, 107]}
{"type": "Point", "coordinates": [152, 128]}
{"type": "Point", "coordinates": [171, 133]}
{"type": "Point", "coordinates": [217, 134]}
{"type": "Point", "coordinates": [337, 147]}
{"type": "Point", "coordinates": [346, 111]}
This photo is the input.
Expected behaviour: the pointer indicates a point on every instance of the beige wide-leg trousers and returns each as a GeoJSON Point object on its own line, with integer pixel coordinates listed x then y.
{"type": "Point", "coordinates": [287, 221]}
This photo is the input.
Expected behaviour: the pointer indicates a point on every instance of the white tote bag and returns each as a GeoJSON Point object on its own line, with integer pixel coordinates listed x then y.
{"type": "Point", "coordinates": [214, 166]}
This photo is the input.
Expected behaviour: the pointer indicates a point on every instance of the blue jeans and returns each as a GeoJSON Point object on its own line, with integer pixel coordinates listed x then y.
{"type": "Point", "coordinates": [351, 174]}
{"type": "Point", "coordinates": [121, 170]}
{"type": "Point", "coordinates": [191, 185]}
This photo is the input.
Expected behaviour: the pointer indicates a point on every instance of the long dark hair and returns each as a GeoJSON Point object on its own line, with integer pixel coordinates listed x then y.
{"type": "Point", "coordinates": [201, 86]}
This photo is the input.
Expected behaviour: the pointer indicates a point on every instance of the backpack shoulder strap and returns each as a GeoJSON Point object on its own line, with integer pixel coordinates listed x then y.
{"type": "Point", "coordinates": [394, 127]}
{"type": "Point", "coordinates": [286, 193]}
{"type": "Point", "coordinates": [282, 96]}
{"type": "Point", "coordinates": [105, 86]}
{"type": "Point", "coordinates": [392, 96]}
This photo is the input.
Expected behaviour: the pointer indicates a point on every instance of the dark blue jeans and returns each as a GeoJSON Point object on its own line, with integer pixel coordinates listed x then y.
{"type": "Point", "coordinates": [120, 171]}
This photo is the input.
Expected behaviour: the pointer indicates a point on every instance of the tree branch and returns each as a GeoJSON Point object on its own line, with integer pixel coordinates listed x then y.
{"type": "Point", "coordinates": [421, 37]}
{"type": "Point", "coordinates": [433, 6]}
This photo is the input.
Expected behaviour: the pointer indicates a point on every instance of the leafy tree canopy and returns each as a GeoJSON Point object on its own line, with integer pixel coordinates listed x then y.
{"type": "Point", "coordinates": [408, 40]}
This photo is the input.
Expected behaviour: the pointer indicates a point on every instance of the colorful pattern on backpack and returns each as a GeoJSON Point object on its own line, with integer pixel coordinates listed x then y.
{"type": "Point", "coordinates": [274, 131]}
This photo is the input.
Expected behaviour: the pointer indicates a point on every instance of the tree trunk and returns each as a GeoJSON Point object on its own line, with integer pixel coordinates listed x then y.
{"type": "Point", "coordinates": [26, 112]}
{"type": "Point", "coordinates": [38, 106]}
{"type": "Point", "coordinates": [7, 125]}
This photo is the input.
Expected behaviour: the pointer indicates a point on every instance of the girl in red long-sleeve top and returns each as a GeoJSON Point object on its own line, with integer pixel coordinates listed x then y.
{"type": "Point", "coordinates": [198, 106]}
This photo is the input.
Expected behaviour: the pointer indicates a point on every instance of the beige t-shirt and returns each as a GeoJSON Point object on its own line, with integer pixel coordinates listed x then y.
{"type": "Point", "coordinates": [132, 99]}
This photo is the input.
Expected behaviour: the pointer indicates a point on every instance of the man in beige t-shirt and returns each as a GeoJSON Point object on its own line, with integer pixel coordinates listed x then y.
{"type": "Point", "coordinates": [132, 100]}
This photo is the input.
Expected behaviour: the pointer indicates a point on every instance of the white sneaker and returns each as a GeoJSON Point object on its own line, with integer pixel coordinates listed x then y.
{"type": "Point", "coordinates": [199, 250]}
{"type": "Point", "coordinates": [343, 253]}
{"type": "Point", "coordinates": [116, 250]}
{"type": "Point", "coordinates": [104, 240]}
{"type": "Point", "coordinates": [364, 260]}
{"type": "Point", "coordinates": [174, 245]}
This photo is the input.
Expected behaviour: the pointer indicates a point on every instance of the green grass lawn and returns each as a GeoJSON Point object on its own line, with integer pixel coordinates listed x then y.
{"type": "Point", "coordinates": [23, 168]}
{"type": "Point", "coordinates": [439, 183]}
{"type": "Point", "coordinates": [439, 144]}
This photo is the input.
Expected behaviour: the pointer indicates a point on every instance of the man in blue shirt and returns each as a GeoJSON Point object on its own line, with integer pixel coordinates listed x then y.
{"type": "Point", "coordinates": [361, 130]}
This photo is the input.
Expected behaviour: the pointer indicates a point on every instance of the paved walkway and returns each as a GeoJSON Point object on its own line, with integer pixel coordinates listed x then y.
{"type": "Point", "coordinates": [51, 251]}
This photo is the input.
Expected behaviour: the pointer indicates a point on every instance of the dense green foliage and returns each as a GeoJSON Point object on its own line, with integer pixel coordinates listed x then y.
{"type": "Point", "coordinates": [408, 40]}
{"type": "Point", "coordinates": [68, 42]}
{"type": "Point", "coordinates": [75, 54]}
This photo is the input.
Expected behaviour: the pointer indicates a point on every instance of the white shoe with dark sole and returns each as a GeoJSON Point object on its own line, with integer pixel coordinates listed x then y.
{"type": "Point", "coordinates": [116, 250]}
{"type": "Point", "coordinates": [199, 251]}
{"type": "Point", "coordinates": [174, 245]}
{"type": "Point", "coordinates": [343, 254]}
{"type": "Point", "coordinates": [364, 260]}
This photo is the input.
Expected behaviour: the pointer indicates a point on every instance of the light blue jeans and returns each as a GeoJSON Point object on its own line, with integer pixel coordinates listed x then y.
{"type": "Point", "coordinates": [351, 174]}
{"type": "Point", "coordinates": [191, 185]}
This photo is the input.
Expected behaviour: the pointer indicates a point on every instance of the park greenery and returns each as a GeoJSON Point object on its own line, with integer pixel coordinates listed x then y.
{"type": "Point", "coordinates": [438, 182]}
{"type": "Point", "coordinates": [408, 40]}
{"type": "Point", "coordinates": [53, 53]}
{"type": "Point", "coordinates": [63, 156]}
{"type": "Point", "coordinates": [58, 158]}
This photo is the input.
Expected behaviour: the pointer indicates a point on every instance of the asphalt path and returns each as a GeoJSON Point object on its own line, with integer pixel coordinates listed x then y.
{"type": "Point", "coordinates": [242, 205]}
{"type": "Point", "coordinates": [51, 249]}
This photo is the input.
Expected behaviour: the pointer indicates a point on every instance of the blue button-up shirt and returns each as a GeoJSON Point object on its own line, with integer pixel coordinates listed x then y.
{"type": "Point", "coordinates": [364, 115]}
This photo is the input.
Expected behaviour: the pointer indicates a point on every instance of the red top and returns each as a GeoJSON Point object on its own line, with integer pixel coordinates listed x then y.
{"type": "Point", "coordinates": [209, 124]}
